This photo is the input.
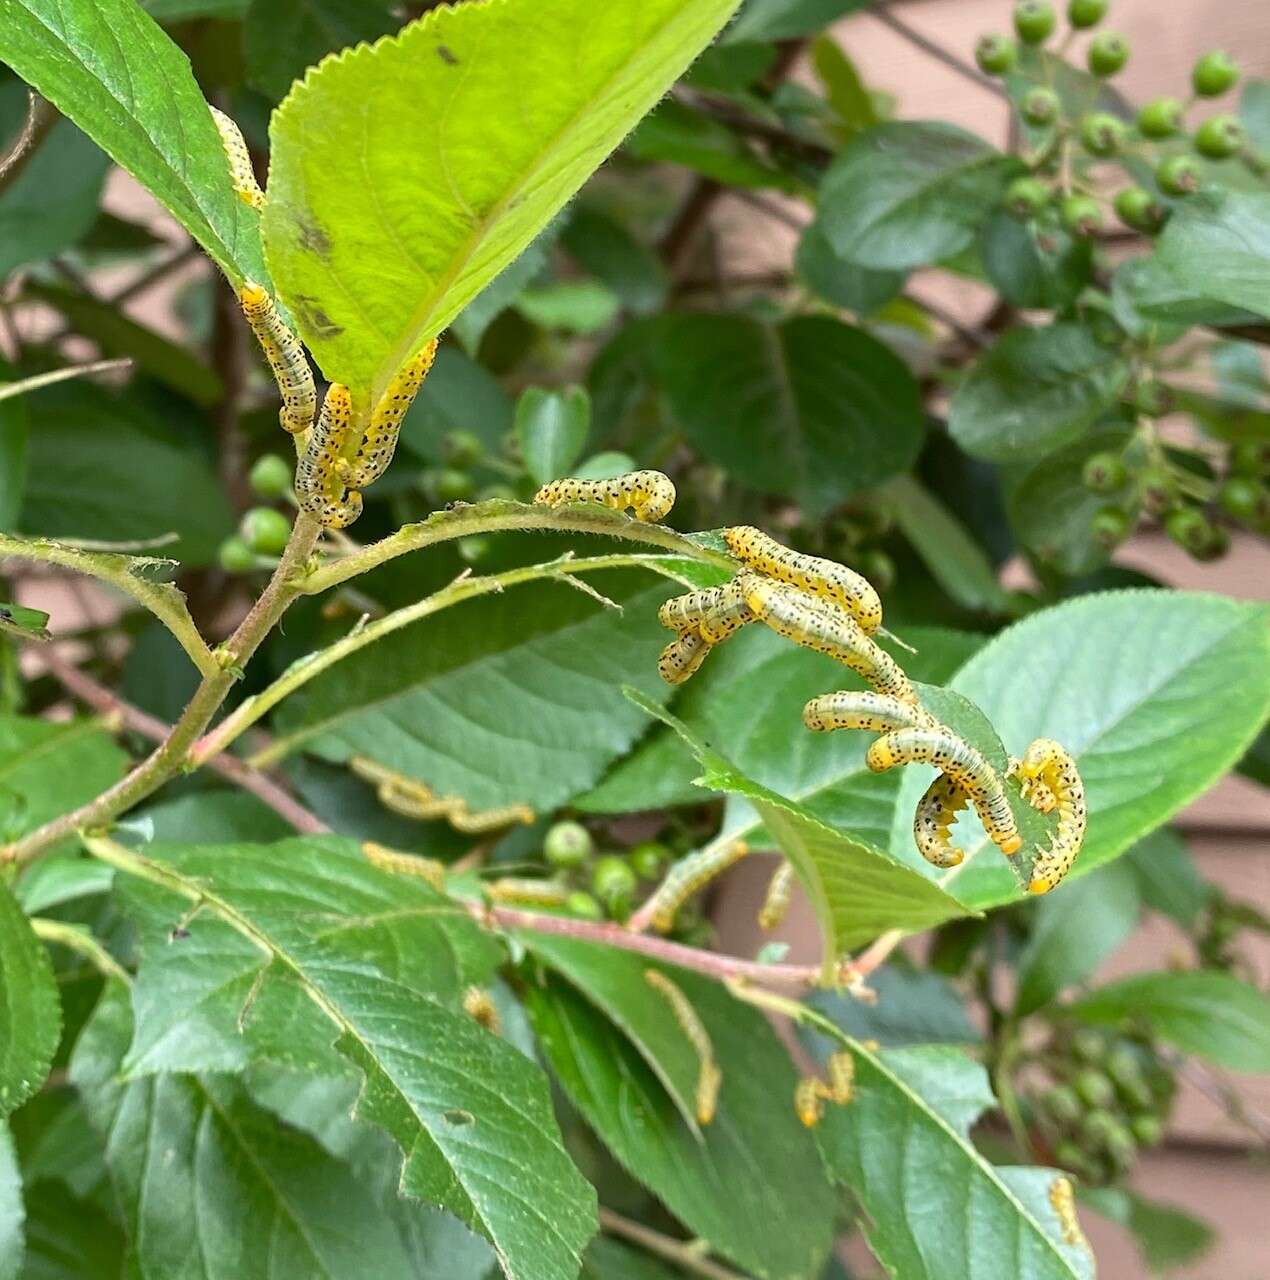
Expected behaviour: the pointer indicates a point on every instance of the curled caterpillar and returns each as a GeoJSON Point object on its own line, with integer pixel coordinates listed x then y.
{"type": "Point", "coordinates": [824, 578]}
{"type": "Point", "coordinates": [479, 1005]}
{"type": "Point", "coordinates": [1063, 1201]}
{"type": "Point", "coordinates": [961, 762]}
{"type": "Point", "coordinates": [461, 819]}
{"type": "Point", "coordinates": [709, 1077]}
{"type": "Point", "coordinates": [379, 441]}
{"type": "Point", "coordinates": [529, 893]}
{"type": "Point", "coordinates": [811, 1093]}
{"type": "Point", "coordinates": [686, 877]}
{"type": "Point", "coordinates": [827, 628]}
{"type": "Point", "coordinates": [315, 479]}
{"type": "Point", "coordinates": [405, 864]}
{"type": "Point", "coordinates": [285, 357]}
{"type": "Point", "coordinates": [241, 175]}
{"type": "Point", "coordinates": [776, 903]}
{"type": "Point", "coordinates": [714, 613]}
{"type": "Point", "coordinates": [414, 799]}
{"type": "Point", "coordinates": [648, 494]}
{"type": "Point", "coordinates": [848, 709]}
{"type": "Point", "coordinates": [1047, 768]}
{"type": "Point", "coordinates": [681, 659]}
{"type": "Point", "coordinates": [932, 822]}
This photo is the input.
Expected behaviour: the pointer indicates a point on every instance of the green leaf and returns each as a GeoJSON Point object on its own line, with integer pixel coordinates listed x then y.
{"type": "Point", "coordinates": [1168, 879]}
{"type": "Point", "coordinates": [906, 194]}
{"type": "Point", "coordinates": [1155, 693]}
{"type": "Point", "coordinates": [107, 66]}
{"type": "Point", "coordinates": [236, 1192]}
{"type": "Point", "coordinates": [945, 545]}
{"type": "Point", "coordinates": [12, 1214]}
{"type": "Point", "coordinates": [811, 406]}
{"type": "Point", "coordinates": [1032, 268]}
{"type": "Point", "coordinates": [13, 453]}
{"type": "Point", "coordinates": [471, 1114]}
{"type": "Point", "coordinates": [458, 164]}
{"type": "Point", "coordinates": [845, 90]}
{"type": "Point", "coordinates": [845, 284]}
{"type": "Point", "coordinates": [1166, 1235]}
{"type": "Point", "coordinates": [857, 891]}
{"type": "Point", "coordinates": [513, 698]}
{"type": "Point", "coordinates": [1036, 390]}
{"type": "Point", "coordinates": [1074, 932]}
{"type": "Point", "coordinates": [1212, 1015]}
{"type": "Point", "coordinates": [786, 19]}
{"type": "Point", "coordinates": [602, 246]}
{"type": "Point", "coordinates": [913, 1007]}
{"type": "Point", "coordinates": [722, 1184]}
{"type": "Point", "coordinates": [572, 306]}
{"type": "Point", "coordinates": [26, 624]}
{"type": "Point", "coordinates": [68, 1238]}
{"type": "Point", "coordinates": [1254, 111]}
{"type": "Point", "coordinates": [30, 1011]}
{"type": "Point", "coordinates": [552, 429]}
{"type": "Point", "coordinates": [608, 1260]}
{"type": "Point", "coordinates": [283, 37]}
{"type": "Point", "coordinates": [974, 1216]}
{"type": "Point", "coordinates": [58, 878]}
{"type": "Point", "coordinates": [458, 394]}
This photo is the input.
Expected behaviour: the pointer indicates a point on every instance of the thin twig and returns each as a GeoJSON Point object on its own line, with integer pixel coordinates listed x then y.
{"type": "Point", "coordinates": [149, 278]}
{"type": "Point", "coordinates": [937, 51]}
{"type": "Point", "coordinates": [40, 118]}
{"type": "Point", "coordinates": [769, 207]}
{"type": "Point", "coordinates": [683, 1253]}
{"type": "Point", "coordinates": [80, 939]}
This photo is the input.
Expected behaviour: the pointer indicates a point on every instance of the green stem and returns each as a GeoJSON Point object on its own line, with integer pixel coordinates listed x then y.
{"type": "Point", "coordinates": [77, 938]}
{"type": "Point", "coordinates": [685, 1254]}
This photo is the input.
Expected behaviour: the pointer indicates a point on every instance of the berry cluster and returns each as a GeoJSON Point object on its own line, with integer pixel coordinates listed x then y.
{"type": "Point", "coordinates": [1069, 140]}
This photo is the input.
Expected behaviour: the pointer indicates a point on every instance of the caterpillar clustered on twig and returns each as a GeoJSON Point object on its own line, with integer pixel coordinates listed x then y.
{"type": "Point", "coordinates": [527, 892]}
{"type": "Point", "coordinates": [284, 355]}
{"type": "Point", "coordinates": [811, 1093]}
{"type": "Point", "coordinates": [414, 799]}
{"type": "Point", "coordinates": [709, 1077]}
{"type": "Point", "coordinates": [648, 495]}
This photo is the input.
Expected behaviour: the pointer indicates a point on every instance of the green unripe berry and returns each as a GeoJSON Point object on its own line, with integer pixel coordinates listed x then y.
{"type": "Point", "coordinates": [1160, 118]}
{"type": "Point", "coordinates": [1217, 545]}
{"type": "Point", "coordinates": [1159, 490]}
{"type": "Point", "coordinates": [265, 531]}
{"type": "Point", "coordinates": [236, 556]}
{"type": "Point", "coordinates": [1088, 1045]}
{"type": "Point", "coordinates": [649, 859]}
{"type": "Point", "coordinates": [1082, 215]}
{"type": "Point", "coordinates": [879, 568]}
{"type": "Point", "coordinates": [1147, 1130]}
{"type": "Point", "coordinates": [996, 54]}
{"type": "Point", "coordinates": [584, 906]}
{"type": "Point", "coordinates": [1121, 1148]}
{"type": "Point", "coordinates": [1108, 52]}
{"type": "Point", "coordinates": [1250, 457]}
{"type": "Point", "coordinates": [1026, 197]}
{"type": "Point", "coordinates": [1219, 137]}
{"type": "Point", "coordinates": [1086, 13]}
{"type": "Point", "coordinates": [1178, 175]}
{"type": "Point", "coordinates": [1246, 499]}
{"type": "Point", "coordinates": [1062, 1105]}
{"type": "Point", "coordinates": [463, 448]}
{"type": "Point", "coordinates": [1040, 106]}
{"type": "Point", "coordinates": [1097, 1126]}
{"type": "Point", "coordinates": [1213, 74]}
{"type": "Point", "coordinates": [612, 881]}
{"type": "Point", "coordinates": [567, 844]}
{"type": "Point", "coordinates": [1102, 134]}
{"type": "Point", "coordinates": [452, 485]}
{"type": "Point", "coordinates": [270, 477]}
{"type": "Point", "coordinates": [1136, 207]}
{"type": "Point", "coordinates": [1070, 1156]}
{"type": "Point", "coordinates": [1104, 473]}
{"type": "Point", "coordinates": [1110, 527]}
{"type": "Point", "coordinates": [1190, 529]}
{"type": "Point", "coordinates": [1034, 20]}
{"type": "Point", "coordinates": [1094, 1088]}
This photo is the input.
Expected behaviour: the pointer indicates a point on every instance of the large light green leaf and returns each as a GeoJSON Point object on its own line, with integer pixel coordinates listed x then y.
{"type": "Point", "coordinates": [30, 1011]}
{"type": "Point", "coordinates": [858, 891]}
{"type": "Point", "coordinates": [12, 1214]}
{"type": "Point", "coordinates": [470, 1113]}
{"type": "Point", "coordinates": [514, 698]}
{"type": "Point", "coordinates": [108, 66]}
{"type": "Point", "coordinates": [1210, 1014]}
{"type": "Point", "coordinates": [908, 193]}
{"type": "Point", "coordinates": [904, 1142]}
{"type": "Point", "coordinates": [1155, 693]}
{"type": "Point", "coordinates": [214, 1187]}
{"type": "Point", "coordinates": [753, 1165]}
{"type": "Point", "coordinates": [1036, 390]}
{"type": "Point", "coordinates": [405, 175]}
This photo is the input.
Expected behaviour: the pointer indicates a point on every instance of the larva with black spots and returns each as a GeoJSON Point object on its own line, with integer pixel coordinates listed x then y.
{"type": "Point", "coordinates": [405, 864]}
{"type": "Point", "coordinates": [681, 659]}
{"type": "Point", "coordinates": [779, 891]}
{"type": "Point", "coordinates": [285, 356]}
{"type": "Point", "coordinates": [932, 822]}
{"type": "Point", "coordinates": [241, 175]}
{"type": "Point", "coordinates": [714, 613]}
{"type": "Point", "coordinates": [961, 762]}
{"type": "Point", "coordinates": [315, 479]}
{"type": "Point", "coordinates": [811, 1093]}
{"type": "Point", "coordinates": [648, 495]}
{"type": "Point", "coordinates": [469, 823]}
{"type": "Point", "coordinates": [686, 877]}
{"type": "Point", "coordinates": [827, 628]}
{"type": "Point", "coordinates": [709, 1077]}
{"type": "Point", "coordinates": [848, 709]}
{"type": "Point", "coordinates": [824, 578]}
{"type": "Point", "coordinates": [1047, 765]}
{"type": "Point", "coordinates": [379, 442]}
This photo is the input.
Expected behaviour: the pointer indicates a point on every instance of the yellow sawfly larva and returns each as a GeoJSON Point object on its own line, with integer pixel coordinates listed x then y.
{"type": "Point", "coordinates": [285, 357]}
{"type": "Point", "coordinates": [379, 442]}
{"type": "Point", "coordinates": [315, 479]}
{"type": "Point", "coordinates": [526, 892]}
{"type": "Point", "coordinates": [479, 1005]}
{"type": "Point", "coordinates": [848, 709]}
{"type": "Point", "coordinates": [961, 762]}
{"type": "Point", "coordinates": [709, 1077]}
{"type": "Point", "coordinates": [1063, 1200]}
{"type": "Point", "coordinates": [405, 864]}
{"type": "Point", "coordinates": [1047, 765]}
{"type": "Point", "coordinates": [824, 578]}
{"type": "Point", "coordinates": [414, 799]}
{"type": "Point", "coordinates": [827, 628]}
{"type": "Point", "coordinates": [811, 1093]}
{"type": "Point", "coordinates": [648, 494]}
{"type": "Point", "coordinates": [776, 902]}
{"type": "Point", "coordinates": [241, 175]}
{"type": "Point", "coordinates": [681, 659]}
{"type": "Point", "coordinates": [462, 819]}
{"type": "Point", "coordinates": [686, 877]}
{"type": "Point", "coordinates": [714, 613]}
{"type": "Point", "coordinates": [932, 822]}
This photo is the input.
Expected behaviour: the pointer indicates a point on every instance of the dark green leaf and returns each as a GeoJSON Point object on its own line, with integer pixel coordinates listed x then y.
{"type": "Point", "coordinates": [602, 246]}
{"type": "Point", "coordinates": [786, 19]}
{"type": "Point", "coordinates": [459, 395]}
{"type": "Point", "coordinates": [12, 1214]}
{"type": "Point", "coordinates": [61, 877]}
{"type": "Point", "coordinates": [68, 1238]}
{"type": "Point", "coordinates": [13, 454]}
{"type": "Point", "coordinates": [908, 193]}
{"type": "Point", "coordinates": [912, 1008]}
{"type": "Point", "coordinates": [26, 624]}
{"type": "Point", "coordinates": [845, 284]}
{"type": "Point", "coordinates": [1036, 390]}
{"type": "Point", "coordinates": [30, 1012]}
{"type": "Point", "coordinates": [1032, 267]}
{"type": "Point", "coordinates": [1254, 111]}
{"type": "Point", "coordinates": [552, 428]}
{"type": "Point", "coordinates": [1167, 1236]}
{"type": "Point", "coordinates": [1212, 1015]}
{"type": "Point", "coordinates": [472, 322]}
{"type": "Point", "coordinates": [1168, 879]}
{"type": "Point", "coordinates": [608, 1260]}
{"type": "Point", "coordinates": [845, 90]}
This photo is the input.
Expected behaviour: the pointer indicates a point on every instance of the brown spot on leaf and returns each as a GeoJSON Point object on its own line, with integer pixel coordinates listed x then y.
{"type": "Point", "coordinates": [314, 318]}
{"type": "Point", "coordinates": [314, 240]}
{"type": "Point", "coordinates": [446, 55]}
